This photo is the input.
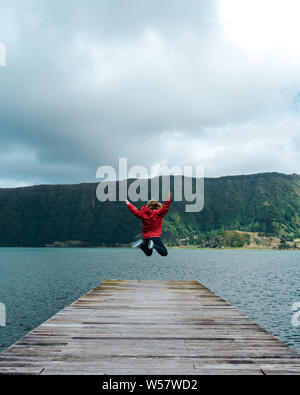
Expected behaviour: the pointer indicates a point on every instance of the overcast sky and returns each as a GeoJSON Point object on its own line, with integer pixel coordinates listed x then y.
{"type": "Point", "coordinates": [204, 82]}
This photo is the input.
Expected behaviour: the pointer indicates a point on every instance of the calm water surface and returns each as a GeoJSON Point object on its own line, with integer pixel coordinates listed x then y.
{"type": "Point", "coordinates": [36, 283]}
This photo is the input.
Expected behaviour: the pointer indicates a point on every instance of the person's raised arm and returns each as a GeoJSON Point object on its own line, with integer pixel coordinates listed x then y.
{"type": "Point", "coordinates": [133, 209]}
{"type": "Point", "coordinates": [163, 211]}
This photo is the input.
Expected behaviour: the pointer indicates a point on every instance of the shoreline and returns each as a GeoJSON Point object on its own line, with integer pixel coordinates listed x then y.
{"type": "Point", "coordinates": [169, 247]}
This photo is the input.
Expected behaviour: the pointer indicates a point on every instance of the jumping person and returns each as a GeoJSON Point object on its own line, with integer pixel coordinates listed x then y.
{"type": "Point", "coordinates": [152, 215]}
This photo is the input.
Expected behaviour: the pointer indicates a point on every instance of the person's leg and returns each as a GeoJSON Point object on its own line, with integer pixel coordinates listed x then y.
{"type": "Point", "coordinates": [159, 246]}
{"type": "Point", "coordinates": [137, 243]}
{"type": "Point", "coordinates": [145, 249]}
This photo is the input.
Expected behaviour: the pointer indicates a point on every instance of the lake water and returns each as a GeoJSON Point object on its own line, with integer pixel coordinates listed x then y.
{"type": "Point", "coordinates": [36, 283]}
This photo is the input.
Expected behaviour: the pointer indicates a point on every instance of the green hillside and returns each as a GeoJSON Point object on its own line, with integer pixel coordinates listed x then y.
{"type": "Point", "coordinates": [267, 203]}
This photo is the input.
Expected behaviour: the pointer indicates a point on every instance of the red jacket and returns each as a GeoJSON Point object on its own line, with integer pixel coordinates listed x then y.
{"type": "Point", "coordinates": [152, 219]}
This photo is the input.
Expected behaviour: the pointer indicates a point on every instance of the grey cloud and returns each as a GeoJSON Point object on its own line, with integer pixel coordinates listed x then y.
{"type": "Point", "coordinates": [90, 81]}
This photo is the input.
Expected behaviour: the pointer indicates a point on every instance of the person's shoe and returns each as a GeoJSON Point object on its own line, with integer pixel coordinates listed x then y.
{"type": "Point", "coordinates": [137, 243]}
{"type": "Point", "coordinates": [150, 244]}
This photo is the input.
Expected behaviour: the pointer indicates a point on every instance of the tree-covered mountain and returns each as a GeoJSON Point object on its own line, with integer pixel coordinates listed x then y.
{"type": "Point", "coordinates": [268, 203]}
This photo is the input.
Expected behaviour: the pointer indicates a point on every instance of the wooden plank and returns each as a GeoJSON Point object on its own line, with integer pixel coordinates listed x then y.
{"type": "Point", "coordinates": [149, 327]}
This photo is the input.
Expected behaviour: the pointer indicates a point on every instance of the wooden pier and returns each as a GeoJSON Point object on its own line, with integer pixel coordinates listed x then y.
{"type": "Point", "coordinates": [149, 327]}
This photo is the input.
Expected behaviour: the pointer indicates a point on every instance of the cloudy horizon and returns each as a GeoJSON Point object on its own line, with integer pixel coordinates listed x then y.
{"type": "Point", "coordinates": [213, 83]}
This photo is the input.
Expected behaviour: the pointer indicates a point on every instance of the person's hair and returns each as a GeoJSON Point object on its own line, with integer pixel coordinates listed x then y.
{"type": "Point", "coordinates": [154, 205]}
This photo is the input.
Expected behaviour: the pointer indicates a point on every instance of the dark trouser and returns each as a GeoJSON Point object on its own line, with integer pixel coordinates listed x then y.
{"type": "Point", "coordinates": [158, 245]}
